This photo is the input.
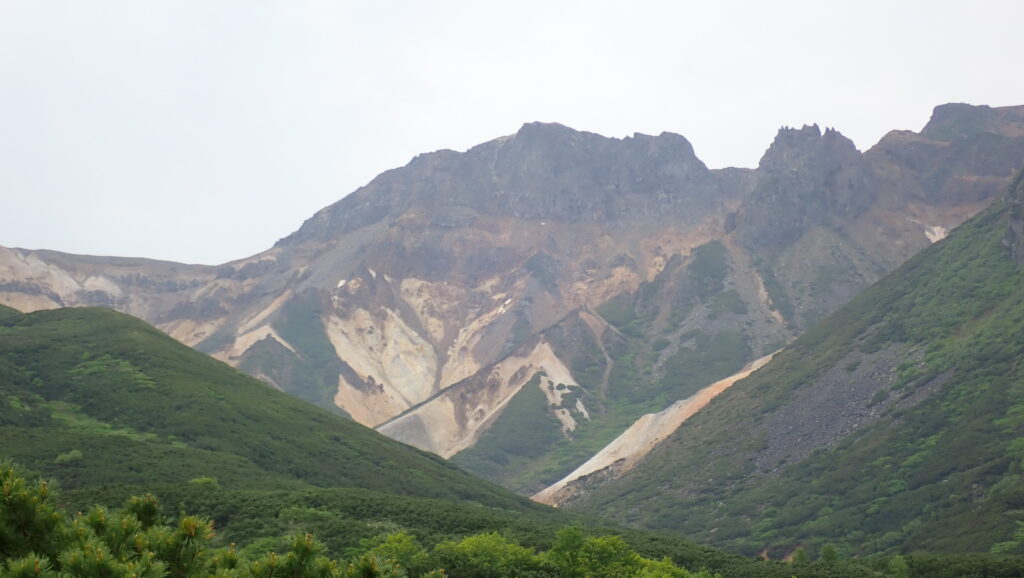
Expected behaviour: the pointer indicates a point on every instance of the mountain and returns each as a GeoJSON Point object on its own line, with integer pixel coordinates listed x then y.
{"type": "Point", "coordinates": [519, 304]}
{"type": "Point", "coordinates": [893, 425]}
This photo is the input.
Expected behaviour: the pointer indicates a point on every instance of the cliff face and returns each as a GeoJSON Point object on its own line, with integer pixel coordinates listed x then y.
{"type": "Point", "coordinates": [614, 275]}
{"type": "Point", "coordinates": [805, 179]}
{"type": "Point", "coordinates": [544, 171]}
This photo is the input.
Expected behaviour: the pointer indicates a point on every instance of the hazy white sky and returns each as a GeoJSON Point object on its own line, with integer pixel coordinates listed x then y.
{"type": "Point", "coordinates": [203, 131]}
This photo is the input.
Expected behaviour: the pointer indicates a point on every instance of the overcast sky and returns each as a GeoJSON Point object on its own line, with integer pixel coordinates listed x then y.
{"type": "Point", "coordinates": [203, 131]}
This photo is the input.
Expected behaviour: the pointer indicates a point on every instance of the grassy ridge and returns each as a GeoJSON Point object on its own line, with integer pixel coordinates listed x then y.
{"type": "Point", "coordinates": [122, 402]}
{"type": "Point", "coordinates": [6, 311]}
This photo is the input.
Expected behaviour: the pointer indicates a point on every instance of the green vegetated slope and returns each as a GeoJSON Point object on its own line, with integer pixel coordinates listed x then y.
{"type": "Point", "coordinates": [897, 424]}
{"type": "Point", "coordinates": [90, 397]}
{"type": "Point", "coordinates": [693, 305]}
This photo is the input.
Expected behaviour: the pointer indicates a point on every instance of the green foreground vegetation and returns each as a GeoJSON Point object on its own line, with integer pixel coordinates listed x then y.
{"type": "Point", "coordinates": [39, 538]}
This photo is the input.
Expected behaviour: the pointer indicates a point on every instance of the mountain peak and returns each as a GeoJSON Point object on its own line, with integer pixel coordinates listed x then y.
{"type": "Point", "coordinates": [806, 177]}
{"type": "Point", "coordinates": [960, 121]}
{"type": "Point", "coordinates": [537, 128]}
{"type": "Point", "coordinates": [533, 134]}
{"type": "Point", "coordinates": [808, 141]}
{"type": "Point", "coordinates": [547, 137]}
{"type": "Point", "coordinates": [544, 135]}
{"type": "Point", "coordinates": [808, 130]}
{"type": "Point", "coordinates": [956, 121]}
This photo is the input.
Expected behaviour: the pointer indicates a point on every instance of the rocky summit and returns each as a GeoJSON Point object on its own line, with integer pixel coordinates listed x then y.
{"type": "Point", "coordinates": [519, 304]}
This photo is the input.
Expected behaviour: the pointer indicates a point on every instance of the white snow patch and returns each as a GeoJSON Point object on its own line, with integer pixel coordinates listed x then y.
{"type": "Point", "coordinates": [935, 233]}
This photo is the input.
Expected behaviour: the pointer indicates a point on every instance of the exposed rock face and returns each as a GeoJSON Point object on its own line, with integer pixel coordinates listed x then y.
{"type": "Point", "coordinates": [417, 304]}
{"type": "Point", "coordinates": [805, 179]}
{"type": "Point", "coordinates": [543, 172]}
{"type": "Point", "coordinates": [34, 280]}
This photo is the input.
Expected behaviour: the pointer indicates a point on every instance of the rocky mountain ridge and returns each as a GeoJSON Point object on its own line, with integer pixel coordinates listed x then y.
{"type": "Point", "coordinates": [614, 275]}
